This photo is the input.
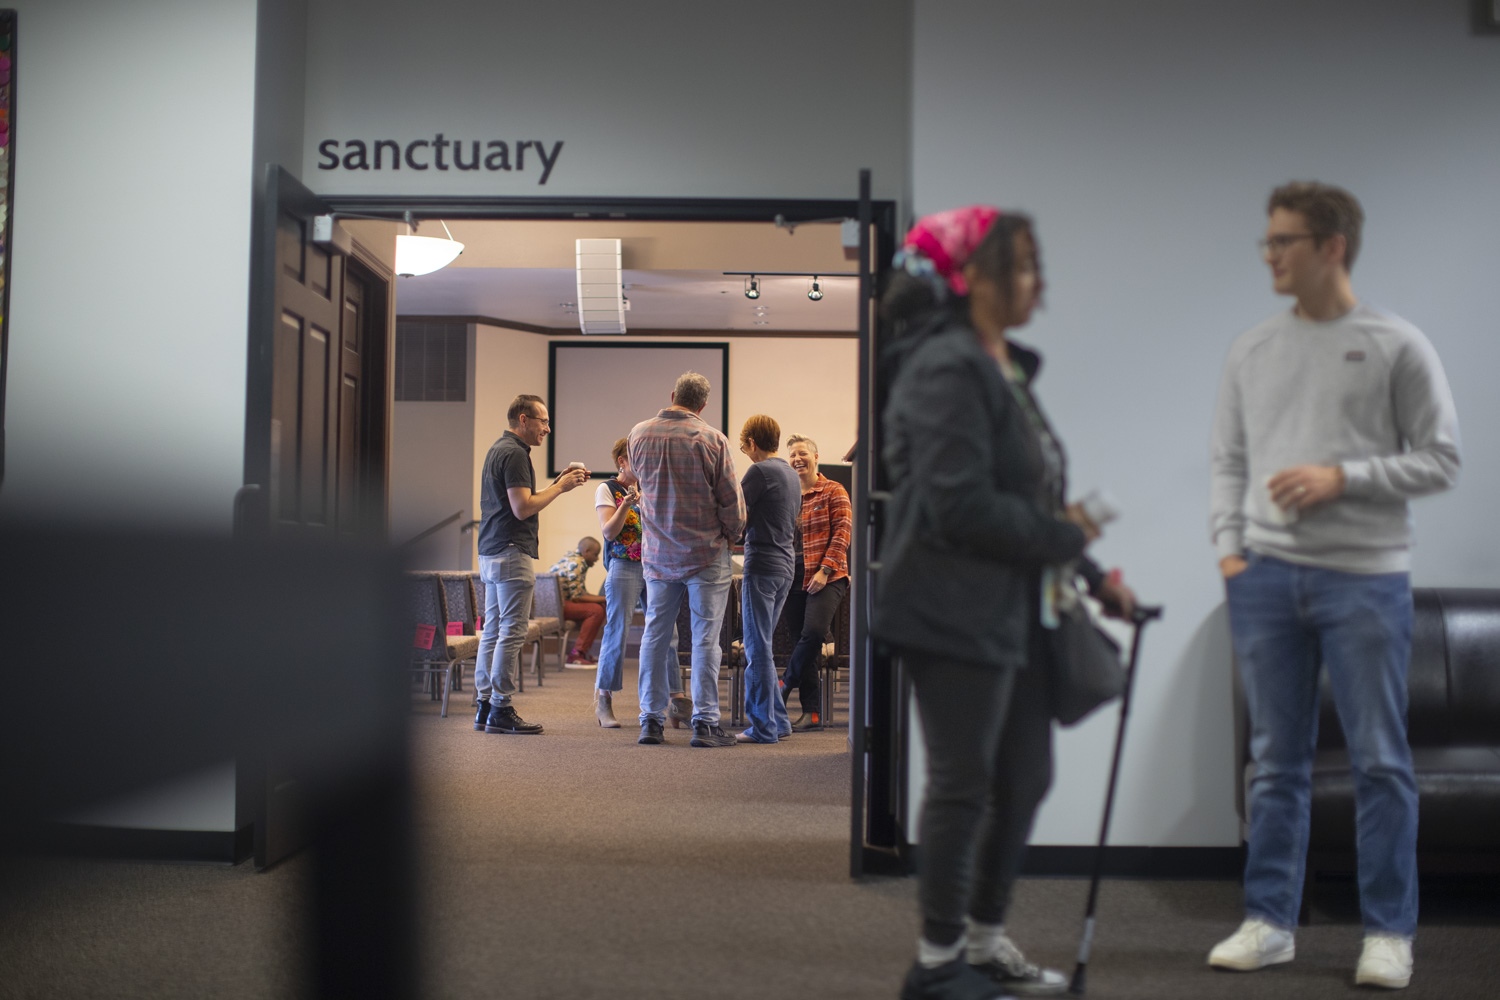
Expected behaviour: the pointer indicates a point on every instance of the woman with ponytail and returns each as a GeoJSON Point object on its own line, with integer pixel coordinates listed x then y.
{"type": "Point", "coordinates": [980, 536]}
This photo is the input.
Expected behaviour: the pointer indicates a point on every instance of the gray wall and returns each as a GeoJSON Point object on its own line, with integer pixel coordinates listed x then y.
{"type": "Point", "coordinates": [128, 298]}
{"type": "Point", "coordinates": [432, 475]}
{"type": "Point", "coordinates": [280, 83]}
{"type": "Point", "coordinates": [1144, 138]}
{"type": "Point", "coordinates": [661, 98]}
{"type": "Point", "coordinates": [131, 249]}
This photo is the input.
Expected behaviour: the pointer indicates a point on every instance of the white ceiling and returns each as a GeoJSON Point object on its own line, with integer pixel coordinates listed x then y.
{"type": "Point", "coordinates": [659, 300]}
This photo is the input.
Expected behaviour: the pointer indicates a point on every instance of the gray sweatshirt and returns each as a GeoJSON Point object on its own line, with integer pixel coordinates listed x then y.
{"type": "Point", "coordinates": [1365, 392]}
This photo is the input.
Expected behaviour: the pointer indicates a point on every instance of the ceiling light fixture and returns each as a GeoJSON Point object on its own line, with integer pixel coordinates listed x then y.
{"type": "Point", "coordinates": [815, 293]}
{"type": "Point", "coordinates": [752, 289]}
{"type": "Point", "coordinates": [424, 254]}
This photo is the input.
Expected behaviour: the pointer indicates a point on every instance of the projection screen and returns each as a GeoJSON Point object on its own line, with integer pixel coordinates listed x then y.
{"type": "Point", "coordinates": [598, 391]}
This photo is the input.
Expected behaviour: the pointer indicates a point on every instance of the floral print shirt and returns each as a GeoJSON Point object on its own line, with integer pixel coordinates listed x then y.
{"type": "Point", "coordinates": [571, 571]}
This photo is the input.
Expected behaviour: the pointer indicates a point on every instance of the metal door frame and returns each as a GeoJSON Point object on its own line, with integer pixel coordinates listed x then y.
{"type": "Point", "coordinates": [875, 759]}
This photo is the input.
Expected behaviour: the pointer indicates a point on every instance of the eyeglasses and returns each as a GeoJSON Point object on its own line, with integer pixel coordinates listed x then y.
{"type": "Point", "coordinates": [1276, 244]}
{"type": "Point", "coordinates": [544, 421]}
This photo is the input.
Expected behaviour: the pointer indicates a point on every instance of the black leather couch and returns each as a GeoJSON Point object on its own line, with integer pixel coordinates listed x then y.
{"type": "Point", "coordinates": [1454, 730]}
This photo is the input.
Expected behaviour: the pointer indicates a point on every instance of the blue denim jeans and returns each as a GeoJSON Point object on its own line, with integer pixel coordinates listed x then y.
{"type": "Point", "coordinates": [509, 581]}
{"type": "Point", "coordinates": [1286, 620]}
{"type": "Point", "coordinates": [761, 601]}
{"type": "Point", "coordinates": [707, 592]}
{"type": "Point", "coordinates": [624, 591]}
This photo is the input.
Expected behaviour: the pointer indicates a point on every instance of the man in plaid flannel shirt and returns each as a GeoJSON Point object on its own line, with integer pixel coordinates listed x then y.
{"type": "Point", "coordinates": [692, 510]}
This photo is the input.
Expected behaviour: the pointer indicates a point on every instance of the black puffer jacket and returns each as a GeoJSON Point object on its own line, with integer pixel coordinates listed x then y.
{"type": "Point", "coordinates": [970, 524]}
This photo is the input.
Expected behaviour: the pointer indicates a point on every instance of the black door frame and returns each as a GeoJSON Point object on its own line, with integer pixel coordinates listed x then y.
{"type": "Point", "coordinates": [876, 843]}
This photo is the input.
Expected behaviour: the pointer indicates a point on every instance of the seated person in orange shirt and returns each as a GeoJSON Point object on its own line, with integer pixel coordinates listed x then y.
{"type": "Point", "coordinates": [578, 604]}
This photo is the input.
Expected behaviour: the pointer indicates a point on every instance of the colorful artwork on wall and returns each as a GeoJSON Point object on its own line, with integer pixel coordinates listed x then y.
{"type": "Point", "coordinates": [7, 173]}
{"type": "Point", "coordinates": [7, 200]}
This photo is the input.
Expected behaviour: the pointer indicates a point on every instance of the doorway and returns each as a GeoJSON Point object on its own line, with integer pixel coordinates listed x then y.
{"type": "Point", "coordinates": [875, 774]}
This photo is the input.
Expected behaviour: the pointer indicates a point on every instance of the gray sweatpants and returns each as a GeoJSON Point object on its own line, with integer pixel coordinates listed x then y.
{"type": "Point", "coordinates": [989, 763]}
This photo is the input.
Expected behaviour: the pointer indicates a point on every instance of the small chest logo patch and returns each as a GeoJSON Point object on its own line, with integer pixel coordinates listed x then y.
{"type": "Point", "coordinates": [1355, 356]}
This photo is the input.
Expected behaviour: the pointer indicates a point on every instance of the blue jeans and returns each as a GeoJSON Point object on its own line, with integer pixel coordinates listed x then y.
{"type": "Point", "coordinates": [707, 592]}
{"type": "Point", "coordinates": [624, 590]}
{"type": "Point", "coordinates": [761, 601]}
{"type": "Point", "coordinates": [1286, 620]}
{"type": "Point", "coordinates": [509, 581]}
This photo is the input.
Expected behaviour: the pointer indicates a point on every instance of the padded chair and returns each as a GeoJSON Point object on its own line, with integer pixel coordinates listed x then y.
{"type": "Point", "coordinates": [437, 656]}
{"type": "Point", "coordinates": [547, 611]}
{"type": "Point", "coordinates": [832, 657]}
{"type": "Point", "coordinates": [835, 657]}
{"type": "Point", "coordinates": [458, 596]}
{"type": "Point", "coordinates": [1453, 726]}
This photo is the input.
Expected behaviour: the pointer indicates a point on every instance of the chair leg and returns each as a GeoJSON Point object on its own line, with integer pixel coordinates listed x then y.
{"type": "Point", "coordinates": [737, 695]}
{"type": "Point", "coordinates": [447, 686]}
{"type": "Point", "coordinates": [825, 696]}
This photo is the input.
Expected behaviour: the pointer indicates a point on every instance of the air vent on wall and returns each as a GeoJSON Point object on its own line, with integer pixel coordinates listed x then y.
{"type": "Point", "coordinates": [601, 297]}
{"type": "Point", "coordinates": [432, 361]}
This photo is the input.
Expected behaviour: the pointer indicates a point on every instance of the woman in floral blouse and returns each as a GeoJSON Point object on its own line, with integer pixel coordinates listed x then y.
{"type": "Point", "coordinates": [617, 502]}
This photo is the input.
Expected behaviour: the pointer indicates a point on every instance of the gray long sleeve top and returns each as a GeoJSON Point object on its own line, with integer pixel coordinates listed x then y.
{"type": "Point", "coordinates": [1365, 392]}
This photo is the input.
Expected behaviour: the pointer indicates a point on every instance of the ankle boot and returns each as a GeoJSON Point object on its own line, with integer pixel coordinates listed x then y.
{"type": "Point", "coordinates": [604, 710]}
{"type": "Point", "coordinates": [679, 709]}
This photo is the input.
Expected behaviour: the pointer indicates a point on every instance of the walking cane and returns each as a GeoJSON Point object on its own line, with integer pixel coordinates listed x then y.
{"type": "Point", "coordinates": [1138, 618]}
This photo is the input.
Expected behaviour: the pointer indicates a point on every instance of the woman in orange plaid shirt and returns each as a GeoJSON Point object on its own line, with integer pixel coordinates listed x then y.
{"type": "Point", "coordinates": [827, 523]}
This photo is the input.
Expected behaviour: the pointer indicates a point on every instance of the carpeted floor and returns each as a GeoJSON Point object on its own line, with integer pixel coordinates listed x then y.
{"type": "Point", "coordinates": [579, 864]}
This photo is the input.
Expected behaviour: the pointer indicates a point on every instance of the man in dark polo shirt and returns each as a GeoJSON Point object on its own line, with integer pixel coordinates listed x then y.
{"type": "Point", "coordinates": [508, 509]}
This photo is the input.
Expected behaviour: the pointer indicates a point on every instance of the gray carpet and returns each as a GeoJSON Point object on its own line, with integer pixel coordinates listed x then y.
{"type": "Point", "coordinates": [578, 864]}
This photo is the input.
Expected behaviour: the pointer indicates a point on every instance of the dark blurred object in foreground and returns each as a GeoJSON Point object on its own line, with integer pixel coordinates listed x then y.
{"type": "Point", "coordinates": [183, 652]}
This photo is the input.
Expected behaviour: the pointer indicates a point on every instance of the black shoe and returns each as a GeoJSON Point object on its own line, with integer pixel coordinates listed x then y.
{"type": "Point", "coordinates": [1009, 970]}
{"type": "Point", "coordinates": [957, 980]}
{"type": "Point", "coordinates": [650, 732]}
{"type": "Point", "coordinates": [806, 721]}
{"type": "Point", "coordinates": [482, 716]}
{"type": "Point", "coordinates": [705, 735]}
{"type": "Point", "coordinates": [503, 719]}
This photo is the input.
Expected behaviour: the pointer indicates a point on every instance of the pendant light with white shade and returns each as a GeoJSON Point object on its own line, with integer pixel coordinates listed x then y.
{"type": "Point", "coordinates": [424, 254]}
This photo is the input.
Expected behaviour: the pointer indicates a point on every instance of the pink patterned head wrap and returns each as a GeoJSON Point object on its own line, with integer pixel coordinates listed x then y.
{"type": "Point", "coordinates": [949, 238]}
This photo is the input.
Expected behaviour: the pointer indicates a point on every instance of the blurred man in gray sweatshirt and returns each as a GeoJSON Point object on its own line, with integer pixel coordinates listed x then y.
{"type": "Point", "coordinates": [1331, 416]}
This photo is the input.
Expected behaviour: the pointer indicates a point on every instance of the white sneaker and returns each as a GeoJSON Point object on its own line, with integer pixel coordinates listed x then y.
{"type": "Point", "coordinates": [1255, 945]}
{"type": "Point", "coordinates": [1386, 961]}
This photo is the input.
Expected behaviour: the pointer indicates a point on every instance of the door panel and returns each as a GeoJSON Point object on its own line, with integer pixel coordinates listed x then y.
{"type": "Point", "coordinates": [311, 460]}
{"type": "Point", "coordinates": [305, 394]}
{"type": "Point", "coordinates": [314, 471]}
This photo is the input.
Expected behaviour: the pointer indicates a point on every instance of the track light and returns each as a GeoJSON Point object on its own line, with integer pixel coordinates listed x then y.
{"type": "Point", "coordinates": [752, 290]}
{"type": "Point", "coordinates": [815, 293]}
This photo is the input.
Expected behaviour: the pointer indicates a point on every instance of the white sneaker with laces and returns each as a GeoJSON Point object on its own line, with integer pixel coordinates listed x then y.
{"type": "Point", "coordinates": [1385, 961]}
{"type": "Point", "coordinates": [1255, 945]}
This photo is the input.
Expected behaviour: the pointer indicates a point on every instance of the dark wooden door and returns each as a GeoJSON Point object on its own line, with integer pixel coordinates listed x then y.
{"type": "Point", "coordinates": [308, 378]}
{"type": "Point", "coordinates": [315, 432]}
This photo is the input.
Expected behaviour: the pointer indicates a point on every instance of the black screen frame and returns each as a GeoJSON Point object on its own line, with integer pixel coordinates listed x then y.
{"type": "Point", "coordinates": [721, 384]}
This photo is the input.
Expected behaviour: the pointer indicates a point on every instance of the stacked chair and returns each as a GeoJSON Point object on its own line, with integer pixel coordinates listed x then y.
{"type": "Point", "coordinates": [435, 654]}
{"type": "Point", "coordinates": [547, 614]}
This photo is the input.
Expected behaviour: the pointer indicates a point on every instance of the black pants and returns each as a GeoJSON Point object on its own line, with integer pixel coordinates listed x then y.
{"type": "Point", "coordinates": [808, 617]}
{"type": "Point", "coordinates": [989, 763]}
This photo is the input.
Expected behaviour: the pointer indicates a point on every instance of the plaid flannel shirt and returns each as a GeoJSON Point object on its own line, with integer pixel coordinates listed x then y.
{"type": "Point", "coordinates": [691, 504]}
{"type": "Point", "coordinates": [827, 524]}
{"type": "Point", "coordinates": [571, 572]}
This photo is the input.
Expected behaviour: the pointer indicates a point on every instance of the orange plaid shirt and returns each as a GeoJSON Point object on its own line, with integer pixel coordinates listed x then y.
{"type": "Point", "coordinates": [827, 524]}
